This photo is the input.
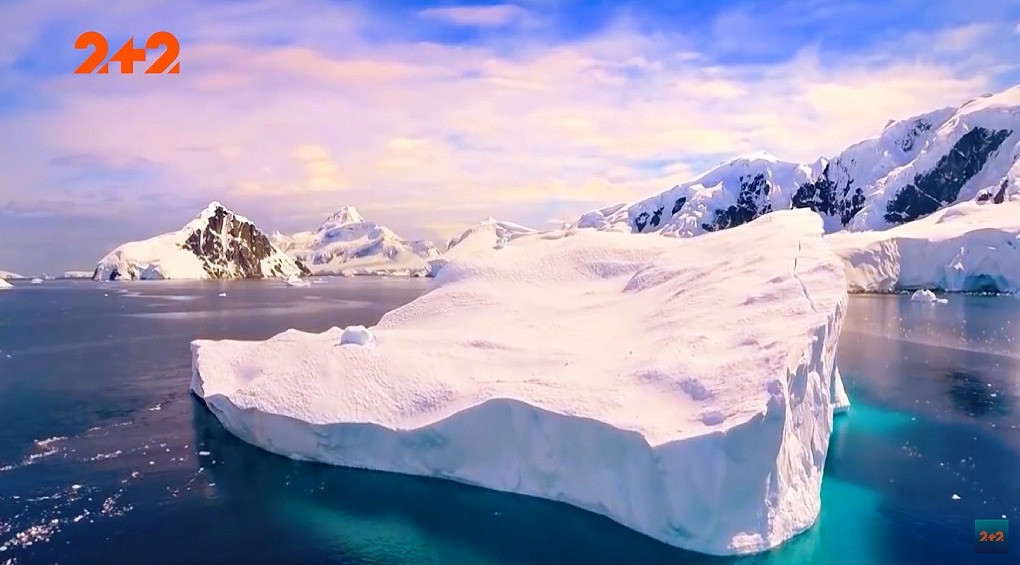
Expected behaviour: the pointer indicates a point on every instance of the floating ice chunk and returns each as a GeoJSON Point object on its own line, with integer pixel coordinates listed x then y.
{"type": "Point", "coordinates": [4, 285]}
{"type": "Point", "coordinates": [924, 295]}
{"type": "Point", "coordinates": [37, 281]}
{"type": "Point", "coordinates": [222, 294]}
{"type": "Point", "coordinates": [840, 402]}
{"type": "Point", "coordinates": [624, 374]}
{"type": "Point", "coordinates": [296, 281]}
{"type": "Point", "coordinates": [357, 335]}
{"type": "Point", "coordinates": [956, 497]}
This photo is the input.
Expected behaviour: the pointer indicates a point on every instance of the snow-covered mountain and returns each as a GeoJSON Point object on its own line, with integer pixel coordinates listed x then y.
{"type": "Point", "coordinates": [218, 244]}
{"type": "Point", "coordinates": [489, 234]}
{"type": "Point", "coordinates": [913, 168]}
{"type": "Point", "coordinates": [347, 244]}
{"type": "Point", "coordinates": [7, 275]}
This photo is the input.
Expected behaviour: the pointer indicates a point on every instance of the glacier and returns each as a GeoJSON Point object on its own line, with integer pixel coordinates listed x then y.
{"type": "Point", "coordinates": [216, 244]}
{"type": "Point", "coordinates": [684, 388]}
{"type": "Point", "coordinates": [968, 247]}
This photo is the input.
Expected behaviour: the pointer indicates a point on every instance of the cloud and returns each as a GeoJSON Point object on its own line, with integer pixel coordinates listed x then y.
{"type": "Point", "coordinates": [420, 131]}
{"type": "Point", "coordinates": [497, 15]}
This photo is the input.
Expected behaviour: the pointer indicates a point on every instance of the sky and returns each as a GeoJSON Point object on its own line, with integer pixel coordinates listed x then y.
{"type": "Point", "coordinates": [430, 115]}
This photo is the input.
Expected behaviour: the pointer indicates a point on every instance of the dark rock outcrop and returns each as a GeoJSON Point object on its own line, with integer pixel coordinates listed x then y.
{"type": "Point", "coordinates": [752, 202]}
{"type": "Point", "coordinates": [941, 185]}
{"type": "Point", "coordinates": [233, 248]}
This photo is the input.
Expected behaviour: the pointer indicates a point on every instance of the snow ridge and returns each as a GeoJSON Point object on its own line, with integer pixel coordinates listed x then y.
{"type": "Point", "coordinates": [913, 168]}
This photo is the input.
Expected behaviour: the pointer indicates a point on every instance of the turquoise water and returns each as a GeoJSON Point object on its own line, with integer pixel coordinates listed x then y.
{"type": "Point", "coordinates": [105, 458]}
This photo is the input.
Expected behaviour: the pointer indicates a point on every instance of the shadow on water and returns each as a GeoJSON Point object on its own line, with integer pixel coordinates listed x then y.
{"type": "Point", "coordinates": [972, 394]}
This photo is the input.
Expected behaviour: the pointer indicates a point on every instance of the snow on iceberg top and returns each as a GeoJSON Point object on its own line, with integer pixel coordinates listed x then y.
{"type": "Point", "coordinates": [664, 337]}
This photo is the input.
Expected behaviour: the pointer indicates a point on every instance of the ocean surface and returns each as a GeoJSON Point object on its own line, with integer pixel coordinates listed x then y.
{"type": "Point", "coordinates": [106, 458]}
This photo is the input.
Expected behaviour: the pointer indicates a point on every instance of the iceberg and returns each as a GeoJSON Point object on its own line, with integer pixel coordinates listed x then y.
{"type": "Point", "coordinates": [4, 285]}
{"type": "Point", "coordinates": [926, 296]}
{"type": "Point", "coordinates": [968, 247]}
{"type": "Point", "coordinates": [684, 388]}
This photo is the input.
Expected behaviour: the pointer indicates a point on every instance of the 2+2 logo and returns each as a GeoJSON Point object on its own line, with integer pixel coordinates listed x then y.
{"type": "Point", "coordinates": [128, 54]}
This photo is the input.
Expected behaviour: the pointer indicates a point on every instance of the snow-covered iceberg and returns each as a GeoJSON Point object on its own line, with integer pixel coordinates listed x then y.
{"type": "Point", "coordinates": [217, 244]}
{"type": "Point", "coordinates": [971, 246]}
{"type": "Point", "coordinates": [346, 244]}
{"type": "Point", "coordinates": [4, 285]}
{"type": "Point", "coordinates": [682, 387]}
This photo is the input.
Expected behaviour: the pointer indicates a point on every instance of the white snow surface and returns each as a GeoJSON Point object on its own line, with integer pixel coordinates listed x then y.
{"type": "Point", "coordinates": [346, 244]}
{"type": "Point", "coordinates": [488, 235]}
{"type": "Point", "coordinates": [357, 335]}
{"type": "Point", "coordinates": [4, 285]}
{"type": "Point", "coordinates": [880, 167]}
{"type": "Point", "coordinates": [683, 388]}
{"type": "Point", "coordinates": [77, 274]}
{"type": "Point", "coordinates": [9, 275]}
{"type": "Point", "coordinates": [166, 257]}
{"type": "Point", "coordinates": [969, 246]}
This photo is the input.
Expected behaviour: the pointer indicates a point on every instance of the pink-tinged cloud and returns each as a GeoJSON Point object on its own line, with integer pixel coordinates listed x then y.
{"type": "Point", "coordinates": [496, 15]}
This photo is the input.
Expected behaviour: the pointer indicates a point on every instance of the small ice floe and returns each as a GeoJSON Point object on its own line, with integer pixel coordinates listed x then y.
{"type": "Point", "coordinates": [37, 281]}
{"type": "Point", "coordinates": [357, 335]}
{"type": "Point", "coordinates": [927, 297]}
{"type": "Point", "coordinates": [295, 280]}
{"type": "Point", "coordinates": [222, 294]}
{"type": "Point", "coordinates": [205, 453]}
{"type": "Point", "coordinates": [956, 497]}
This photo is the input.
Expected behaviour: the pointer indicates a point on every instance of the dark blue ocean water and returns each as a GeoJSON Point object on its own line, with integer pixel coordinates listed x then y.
{"type": "Point", "coordinates": [106, 458]}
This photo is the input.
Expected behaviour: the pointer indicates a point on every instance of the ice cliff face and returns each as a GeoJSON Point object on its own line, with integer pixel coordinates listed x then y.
{"type": "Point", "coordinates": [347, 244]}
{"type": "Point", "coordinates": [218, 244]}
{"type": "Point", "coordinates": [913, 168]}
{"type": "Point", "coordinates": [625, 375]}
{"type": "Point", "coordinates": [971, 247]}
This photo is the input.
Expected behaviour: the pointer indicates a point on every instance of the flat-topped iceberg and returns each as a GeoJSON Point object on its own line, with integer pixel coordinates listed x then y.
{"type": "Point", "coordinates": [682, 387]}
{"type": "Point", "coordinates": [971, 246]}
